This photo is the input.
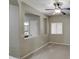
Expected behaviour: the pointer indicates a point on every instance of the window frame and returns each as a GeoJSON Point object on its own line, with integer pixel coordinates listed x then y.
{"type": "Point", "coordinates": [56, 28]}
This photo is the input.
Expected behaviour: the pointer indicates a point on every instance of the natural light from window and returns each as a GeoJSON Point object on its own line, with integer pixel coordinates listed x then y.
{"type": "Point", "coordinates": [56, 28]}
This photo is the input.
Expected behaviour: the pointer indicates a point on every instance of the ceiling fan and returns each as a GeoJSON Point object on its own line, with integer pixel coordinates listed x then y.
{"type": "Point", "coordinates": [58, 9]}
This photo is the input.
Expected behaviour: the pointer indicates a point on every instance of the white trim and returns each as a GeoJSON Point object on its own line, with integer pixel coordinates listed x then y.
{"type": "Point", "coordinates": [11, 57]}
{"type": "Point", "coordinates": [34, 51]}
{"type": "Point", "coordinates": [59, 43]}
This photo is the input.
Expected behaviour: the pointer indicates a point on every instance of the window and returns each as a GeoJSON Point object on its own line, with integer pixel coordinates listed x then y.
{"type": "Point", "coordinates": [56, 28]}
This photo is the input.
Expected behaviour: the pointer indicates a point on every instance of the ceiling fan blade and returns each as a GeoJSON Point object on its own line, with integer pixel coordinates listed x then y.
{"type": "Point", "coordinates": [65, 8]}
{"type": "Point", "coordinates": [49, 9]}
{"type": "Point", "coordinates": [63, 13]}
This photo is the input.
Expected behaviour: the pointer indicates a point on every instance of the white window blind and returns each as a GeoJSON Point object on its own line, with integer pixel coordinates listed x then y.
{"type": "Point", "coordinates": [56, 28]}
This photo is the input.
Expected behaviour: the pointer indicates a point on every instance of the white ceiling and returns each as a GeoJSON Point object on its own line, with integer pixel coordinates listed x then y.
{"type": "Point", "coordinates": [41, 5]}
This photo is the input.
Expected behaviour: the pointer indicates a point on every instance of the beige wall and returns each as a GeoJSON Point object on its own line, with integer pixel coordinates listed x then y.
{"type": "Point", "coordinates": [14, 31]}
{"type": "Point", "coordinates": [19, 47]}
{"type": "Point", "coordinates": [27, 46]}
{"type": "Point", "coordinates": [65, 37]}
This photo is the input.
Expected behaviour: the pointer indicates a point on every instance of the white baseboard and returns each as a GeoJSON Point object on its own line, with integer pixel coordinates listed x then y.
{"type": "Point", "coordinates": [11, 57]}
{"type": "Point", "coordinates": [59, 43]}
{"type": "Point", "coordinates": [34, 51]}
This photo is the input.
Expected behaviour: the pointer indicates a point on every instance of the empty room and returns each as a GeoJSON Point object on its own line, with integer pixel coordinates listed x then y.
{"type": "Point", "coordinates": [39, 29]}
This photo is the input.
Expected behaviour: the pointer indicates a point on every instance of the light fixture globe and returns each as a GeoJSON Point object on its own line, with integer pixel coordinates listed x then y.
{"type": "Point", "coordinates": [57, 11]}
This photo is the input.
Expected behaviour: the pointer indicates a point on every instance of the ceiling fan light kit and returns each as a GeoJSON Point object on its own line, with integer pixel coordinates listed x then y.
{"type": "Point", "coordinates": [58, 9]}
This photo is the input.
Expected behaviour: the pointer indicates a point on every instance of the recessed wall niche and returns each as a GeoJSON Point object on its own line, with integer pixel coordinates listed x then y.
{"type": "Point", "coordinates": [31, 25]}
